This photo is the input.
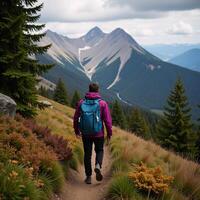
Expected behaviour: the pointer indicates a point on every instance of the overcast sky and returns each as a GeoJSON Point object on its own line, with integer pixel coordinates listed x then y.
{"type": "Point", "coordinates": [148, 21]}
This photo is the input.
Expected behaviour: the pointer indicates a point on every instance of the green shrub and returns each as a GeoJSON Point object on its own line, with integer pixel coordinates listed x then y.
{"type": "Point", "coordinates": [55, 175]}
{"type": "Point", "coordinates": [65, 167]}
{"type": "Point", "coordinates": [47, 188]}
{"type": "Point", "coordinates": [122, 189]}
{"type": "Point", "coordinates": [15, 184]}
{"type": "Point", "coordinates": [73, 163]}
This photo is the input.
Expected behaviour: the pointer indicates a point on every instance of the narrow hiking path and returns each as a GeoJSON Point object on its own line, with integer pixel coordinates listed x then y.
{"type": "Point", "coordinates": [76, 189]}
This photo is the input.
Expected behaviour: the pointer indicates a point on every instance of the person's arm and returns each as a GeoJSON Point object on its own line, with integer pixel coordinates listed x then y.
{"type": "Point", "coordinates": [107, 120]}
{"type": "Point", "coordinates": [76, 118]}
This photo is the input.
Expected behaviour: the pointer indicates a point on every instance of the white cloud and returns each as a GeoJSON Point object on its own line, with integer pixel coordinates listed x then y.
{"type": "Point", "coordinates": [143, 32]}
{"type": "Point", "coordinates": [108, 10]}
{"type": "Point", "coordinates": [180, 28]}
{"type": "Point", "coordinates": [89, 10]}
{"type": "Point", "coordinates": [156, 5]}
{"type": "Point", "coordinates": [74, 18]}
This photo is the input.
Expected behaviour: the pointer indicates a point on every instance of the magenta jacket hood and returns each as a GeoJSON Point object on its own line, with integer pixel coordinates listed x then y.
{"type": "Point", "coordinates": [105, 115]}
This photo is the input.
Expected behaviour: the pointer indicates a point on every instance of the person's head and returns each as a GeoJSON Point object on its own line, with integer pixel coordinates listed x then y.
{"type": "Point", "coordinates": [93, 87]}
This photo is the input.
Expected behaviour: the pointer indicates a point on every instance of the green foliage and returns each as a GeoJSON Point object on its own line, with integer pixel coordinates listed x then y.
{"type": "Point", "coordinates": [15, 184]}
{"type": "Point", "coordinates": [76, 97]}
{"type": "Point", "coordinates": [47, 188]}
{"type": "Point", "coordinates": [118, 117]}
{"type": "Point", "coordinates": [145, 119]}
{"type": "Point", "coordinates": [122, 188]}
{"type": "Point", "coordinates": [175, 128]}
{"type": "Point", "coordinates": [137, 123]}
{"type": "Point", "coordinates": [18, 70]}
{"type": "Point", "coordinates": [60, 94]}
{"type": "Point", "coordinates": [55, 175]}
{"type": "Point", "coordinates": [73, 162]}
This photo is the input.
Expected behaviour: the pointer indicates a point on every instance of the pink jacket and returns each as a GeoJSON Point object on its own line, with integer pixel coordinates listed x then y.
{"type": "Point", "coordinates": [105, 115]}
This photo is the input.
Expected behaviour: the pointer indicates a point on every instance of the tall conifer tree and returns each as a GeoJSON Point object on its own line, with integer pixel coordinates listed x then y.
{"type": "Point", "coordinates": [175, 128]}
{"type": "Point", "coordinates": [60, 94]}
{"type": "Point", "coordinates": [18, 46]}
{"type": "Point", "coordinates": [118, 117]}
{"type": "Point", "coordinates": [75, 99]}
{"type": "Point", "coordinates": [137, 123]}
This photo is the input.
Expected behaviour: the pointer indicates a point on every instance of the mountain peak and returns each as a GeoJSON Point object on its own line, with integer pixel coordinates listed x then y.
{"type": "Point", "coordinates": [93, 35]}
{"type": "Point", "coordinates": [119, 31]}
{"type": "Point", "coordinates": [96, 31]}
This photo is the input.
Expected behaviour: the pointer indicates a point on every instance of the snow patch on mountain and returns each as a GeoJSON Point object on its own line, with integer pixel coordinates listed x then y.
{"type": "Point", "coordinates": [80, 59]}
{"type": "Point", "coordinates": [124, 57]}
{"type": "Point", "coordinates": [122, 100]}
{"type": "Point", "coordinates": [153, 67]}
{"type": "Point", "coordinates": [117, 44]}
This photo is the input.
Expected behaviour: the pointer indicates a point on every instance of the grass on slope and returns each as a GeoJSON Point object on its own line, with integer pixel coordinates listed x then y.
{"type": "Point", "coordinates": [29, 169]}
{"type": "Point", "coordinates": [59, 120]}
{"type": "Point", "coordinates": [128, 149]}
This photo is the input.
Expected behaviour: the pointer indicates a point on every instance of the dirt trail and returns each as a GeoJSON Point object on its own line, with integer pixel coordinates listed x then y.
{"type": "Point", "coordinates": [76, 189]}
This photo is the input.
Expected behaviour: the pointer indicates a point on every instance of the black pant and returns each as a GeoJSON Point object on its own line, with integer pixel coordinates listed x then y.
{"type": "Point", "coordinates": [98, 147]}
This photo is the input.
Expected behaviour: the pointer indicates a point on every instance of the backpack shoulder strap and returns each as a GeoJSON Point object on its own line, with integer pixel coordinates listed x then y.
{"type": "Point", "coordinates": [97, 100]}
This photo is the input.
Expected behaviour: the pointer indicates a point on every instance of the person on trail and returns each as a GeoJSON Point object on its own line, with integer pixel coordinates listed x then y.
{"type": "Point", "coordinates": [89, 116]}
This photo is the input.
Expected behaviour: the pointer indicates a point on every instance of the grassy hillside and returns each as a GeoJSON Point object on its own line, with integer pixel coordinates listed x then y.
{"type": "Point", "coordinates": [59, 120]}
{"type": "Point", "coordinates": [127, 150]}
{"type": "Point", "coordinates": [34, 159]}
{"type": "Point", "coordinates": [29, 165]}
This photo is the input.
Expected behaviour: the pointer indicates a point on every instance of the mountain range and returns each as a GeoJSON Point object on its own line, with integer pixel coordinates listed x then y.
{"type": "Point", "coordinates": [123, 68]}
{"type": "Point", "coordinates": [189, 59]}
{"type": "Point", "coordinates": [169, 51]}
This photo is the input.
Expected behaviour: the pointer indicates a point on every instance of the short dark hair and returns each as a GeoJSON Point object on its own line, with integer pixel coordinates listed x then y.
{"type": "Point", "coordinates": [93, 87]}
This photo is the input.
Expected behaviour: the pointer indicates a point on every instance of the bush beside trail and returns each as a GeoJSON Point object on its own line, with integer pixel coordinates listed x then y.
{"type": "Point", "coordinates": [143, 170]}
{"type": "Point", "coordinates": [29, 166]}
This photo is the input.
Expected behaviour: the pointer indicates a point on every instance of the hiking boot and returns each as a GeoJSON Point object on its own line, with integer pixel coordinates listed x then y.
{"type": "Point", "coordinates": [97, 170]}
{"type": "Point", "coordinates": [88, 180]}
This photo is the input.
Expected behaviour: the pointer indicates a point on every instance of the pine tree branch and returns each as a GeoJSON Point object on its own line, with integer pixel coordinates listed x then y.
{"type": "Point", "coordinates": [33, 10]}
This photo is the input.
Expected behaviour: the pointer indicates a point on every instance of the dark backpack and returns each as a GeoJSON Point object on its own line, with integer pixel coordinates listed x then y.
{"type": "Point", "coordinates": [90, 121]}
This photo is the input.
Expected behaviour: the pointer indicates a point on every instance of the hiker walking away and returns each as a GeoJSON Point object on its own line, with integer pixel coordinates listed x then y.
{"type": "Point", "coordinates": [91, 114]}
